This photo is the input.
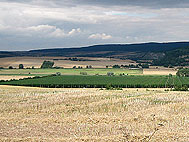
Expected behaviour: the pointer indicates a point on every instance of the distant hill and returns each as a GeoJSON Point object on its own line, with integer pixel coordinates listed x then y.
{"type": "Point", "coordinates": [156, 52]}
{"type": "Point", "coordinates": [176, 57]}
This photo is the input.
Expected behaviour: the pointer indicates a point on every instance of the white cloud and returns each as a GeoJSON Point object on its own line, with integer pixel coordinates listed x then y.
{"type": "Point", "coordinates": [52, 31]}
{"type": "Point", "coordinates": [26, 14]}
{"type": "Point", "coordinates": [57, 33]}
{"type": "Point", "coordinates": [74, 31]}
{"type": "Point", "coordinates": [43, 31]}
{"type": "Point", "coordinates": [100, 36]}
{"type": "Point", "coordinates": [42, 28]}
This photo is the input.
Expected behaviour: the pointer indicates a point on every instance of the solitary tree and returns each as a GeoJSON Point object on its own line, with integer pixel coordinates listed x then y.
{"type": "Point", "coordinates": [21, 66]}
{"type": "Point", "coordinates": [10, 67]}
{"type": "Point", "coordinates": [90, 66]}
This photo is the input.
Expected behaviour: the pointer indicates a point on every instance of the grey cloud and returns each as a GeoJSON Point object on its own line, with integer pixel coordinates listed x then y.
{"type": "Point", "coordinates": [34, 24]}
{"type": "Point", "coordinates": [106, 3]}
{"type": "Point", "coordinates": [143, 3]}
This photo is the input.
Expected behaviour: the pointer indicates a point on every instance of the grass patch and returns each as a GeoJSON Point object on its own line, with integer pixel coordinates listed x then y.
{"type": "Point", "coordinates": [93, 71]}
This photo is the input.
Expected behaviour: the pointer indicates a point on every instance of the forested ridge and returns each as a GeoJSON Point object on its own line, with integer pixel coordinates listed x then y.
{"type": "Point", "coordinates": [161, 54]}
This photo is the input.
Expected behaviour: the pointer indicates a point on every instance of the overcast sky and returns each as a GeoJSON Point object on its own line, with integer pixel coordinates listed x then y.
{"type": "Point", "coordinates": [37, 24]}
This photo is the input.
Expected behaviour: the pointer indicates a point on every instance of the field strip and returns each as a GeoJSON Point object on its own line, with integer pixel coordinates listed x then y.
{"type": "Point", "coordinates": [179, 80]}
{"type": "Point", "coordinates": [167, 82]}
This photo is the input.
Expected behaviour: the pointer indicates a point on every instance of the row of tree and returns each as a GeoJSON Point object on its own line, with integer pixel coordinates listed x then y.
{"type": "Point", "coordinates": [21, 66]}
{"type": "Point", "coordinates": [48, 65]}
{"type": "Point", "coordinates": [131, 66]}
{"type": "Point", "coordinates": [80, 67]}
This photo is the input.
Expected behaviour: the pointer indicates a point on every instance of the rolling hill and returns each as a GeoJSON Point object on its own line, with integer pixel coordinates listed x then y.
{"type": "Point", "coordinates": [156, 52]}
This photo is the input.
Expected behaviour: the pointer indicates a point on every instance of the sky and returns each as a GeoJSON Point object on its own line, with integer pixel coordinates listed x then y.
{"type": "Point", "coordinates": [41, 24]}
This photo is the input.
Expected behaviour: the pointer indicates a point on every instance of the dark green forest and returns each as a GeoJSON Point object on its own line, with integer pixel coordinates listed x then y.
{"type": "Point", "coordinates": [177, 57]}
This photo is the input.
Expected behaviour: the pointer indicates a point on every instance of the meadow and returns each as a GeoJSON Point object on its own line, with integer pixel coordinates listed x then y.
{"type": "Point", "coordinates": [68, 71]}
{"type": "Point", "coordinates": [69, 115]}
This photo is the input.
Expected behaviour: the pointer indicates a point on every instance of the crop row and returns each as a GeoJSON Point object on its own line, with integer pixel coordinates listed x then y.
{"type": "Point", "coordinates": [72, 81]}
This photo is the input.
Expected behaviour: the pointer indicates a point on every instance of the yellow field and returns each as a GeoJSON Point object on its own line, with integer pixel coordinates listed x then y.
{"type": "Point", "coordinates": [36, 114]}
{"type": "Point", "coordinates": [160, 71]}
{"type": "Point", "coordinates": [9, 77]}
{"type": "Point", "coordinates": [37, 62]}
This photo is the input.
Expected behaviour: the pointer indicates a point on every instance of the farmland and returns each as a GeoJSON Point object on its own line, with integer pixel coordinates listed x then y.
{"type": "Point", "coordinates": [59, 61]}
{"type": "Point", "coordinates": [98, 64]}
{"type": "Point", "coordinates": [71, 81]}
{"type": "Point", "coordinates": [67, 71]}
{"type": "Point", "coordinates": [65, 105]}
{"type": "Point", "coordinates": [39, 114]}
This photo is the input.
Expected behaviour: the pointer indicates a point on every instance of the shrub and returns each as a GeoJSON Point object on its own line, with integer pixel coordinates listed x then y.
{"type": "Point", "coordinates": [83, 73]}
{"type": "Point", "coordinates": [58, 67]}
{"type": "Point", "coordinates": [80, 67]}
{"type": "Point", "coordinates": [110, 74]}
{"type": "Point", "coordinates": [10, 67]}
{"type": "Point", "coordinates": [116, 66]}
{"type": "Point", "coordinates": [145, 65]}
{"type": "Point", "coordinates": [183, 72]}
{"type": "Point", "coordinates": [112, 87]}
{"type": "Point", "coordinates": [181, 88]}
{"type": "Point", "coordinates": [109, 87]}
{"type": "Point", "coordinates": [58, 73]}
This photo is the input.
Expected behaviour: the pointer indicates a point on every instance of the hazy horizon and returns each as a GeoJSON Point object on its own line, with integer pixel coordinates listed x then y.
{"type": "Point", "coordinates": [92, 45]}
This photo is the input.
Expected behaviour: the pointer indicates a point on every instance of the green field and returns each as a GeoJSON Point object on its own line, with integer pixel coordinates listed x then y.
{"type": "Point", "coordinates": [93, 71]}
{"type": "Point", "coordinates": [71, 81]}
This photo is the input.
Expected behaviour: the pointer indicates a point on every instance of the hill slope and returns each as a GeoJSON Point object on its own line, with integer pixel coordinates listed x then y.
{"type": "Point", "coordinates": [157, 52]}
{"type": "Point", "coordinates": [177, 57]}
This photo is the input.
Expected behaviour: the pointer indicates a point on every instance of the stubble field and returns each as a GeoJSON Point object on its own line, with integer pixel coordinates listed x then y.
{"type": "Point", "coordinates": [59, 61]}
{"type": "Point", "coordinates": [9, 77]}
{"type": "Point", "coordinates": [38, 114]}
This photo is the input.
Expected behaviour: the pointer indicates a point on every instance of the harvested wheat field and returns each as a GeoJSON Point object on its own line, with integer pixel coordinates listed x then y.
{"type": "Point", "coordinates": [161, 71]}
{"type": "Point", "coordinates": [37, 62]}
{"type": "Point", "coordinates": [9, 77]}
{"type": "Point", "coordinates": [36, 114]}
